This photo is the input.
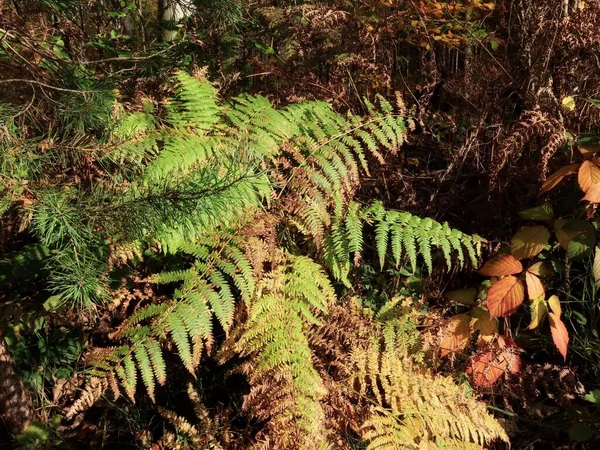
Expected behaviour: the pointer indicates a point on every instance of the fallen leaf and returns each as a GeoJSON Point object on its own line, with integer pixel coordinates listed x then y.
{"type": "Point", "coordinates": [501, 265]}
{"type": "Point", "coordinates": [505, 296]}
{"type": "Point", "coordinates": [568, 103]}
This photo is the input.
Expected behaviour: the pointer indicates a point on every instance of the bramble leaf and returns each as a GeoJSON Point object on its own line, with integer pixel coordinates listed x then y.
{"type": "Point", "coordinates": [529, 241]}
{"type": "Point", "coordinates": [554, 304]}
{"type": "Point", "coordinates": [540, 212]}
{"type": "Point", "coordinates": [596, 267]}
{"type": "Point", "coordinates": [535, 288]}
{"type": "Point", "coordinates": [541, 269]}
{"type": "Point", "coordinates": [463, 296]}
{"type": "Point", "coordinates": [578, 237]}
{"type": "Point", "coordinates": [483, 323]}
{"type": "Point", "coordinates": [456, 334]}
{"type": "Point", "coordinates": [484, 370]}
{"type": "Point", "coordinates": [560, 335]}
{"type": "Point", "coordinates": [501, 265]}
{"type": "Point", "coordinates": [553, 180]}
{"type": "Point", "coordinates": [505, 296]}
{"type": "Point", "coordinates": [538, 312]}
{"type": "Point", "coordinates": [588, 177]}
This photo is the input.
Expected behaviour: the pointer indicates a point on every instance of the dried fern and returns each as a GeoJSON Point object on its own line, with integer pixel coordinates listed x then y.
{"type": "Point", "coordinates": [414, 407]}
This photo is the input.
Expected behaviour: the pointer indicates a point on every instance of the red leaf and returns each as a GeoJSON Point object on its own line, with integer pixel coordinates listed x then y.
{"type": "Point", "coordinates": [509, 357]}
{"type": "Point", "coordinates": [484, 369]}
{"type": "Point", "coordinates": [560, 335]}
{"type": "Point", "coordinates": [535, 288]}
{"type": "Point", "coordinates": [501, 265]}
{"type": "Point", "coordinates": [505, 296]}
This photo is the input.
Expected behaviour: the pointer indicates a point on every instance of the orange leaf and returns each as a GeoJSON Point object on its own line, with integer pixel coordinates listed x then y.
{"type": "Point", "coordinates": [589, 180]}
{"type": "Point", "coordinates": [553, 180]}
{"type": "Point", "coordinates": [535, 288]}
{"type": "Point", "coordinates": [505, 296]}
{"type": "Point", "coordinates": [529, 241]}
{"type": "Point", "coordinates": [455, 334]}
{"type": "Point", "coordinates": [501, 265]}
{"type": "Point", "coordinates": [560, 335]}
{"type": "Point", "coordinates": [588, 175]}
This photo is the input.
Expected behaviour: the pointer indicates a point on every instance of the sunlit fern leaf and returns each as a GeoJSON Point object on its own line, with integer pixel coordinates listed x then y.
{"type": "Point", "coordinates": [274, 337]}
{"type": "Point", "coordinates": [354, 228]}
{"type": "Point", "coordinates": [194, 104]}
{"type": "Point", "coordinates": [381, 238]}
{"type": "Point", "coordinates": [180, 336]}
{"type": "Point", "coordinates": [145, 368]}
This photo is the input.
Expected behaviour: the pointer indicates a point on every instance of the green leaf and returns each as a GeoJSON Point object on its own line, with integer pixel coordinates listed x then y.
{"type": "Point", "coordinates": [580, 432]}
{"type": "Point", "coordinates": [463, 296]}
{"type": "Point", "coordinates": [540, 212]}
{"type": "Point", "coordinates": [592, 396]}
{"type": "Point", "coordinates": [578, 237]}
{"type": "Point", "coordinates": [581, 245]}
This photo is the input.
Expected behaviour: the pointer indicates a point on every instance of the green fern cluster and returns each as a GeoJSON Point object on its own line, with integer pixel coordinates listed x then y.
{"type": "Point", "coordinates": [184, 187]}
{"type": "Point", "coordinates": [218, 273]}
{"type": "Point", "coordinates": [397, 234]}
{"type": "Point", "coordinates": [320, 169]}
{"type": "Point", "coordinates": [287, 301]}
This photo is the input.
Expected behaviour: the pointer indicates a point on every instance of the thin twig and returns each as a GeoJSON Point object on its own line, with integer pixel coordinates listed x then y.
{"type": "Point", "coordinates": [49, 86]}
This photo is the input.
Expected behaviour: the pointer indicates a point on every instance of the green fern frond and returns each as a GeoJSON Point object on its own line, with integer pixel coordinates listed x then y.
{"type": "Point", "coordinates": [288, 300]}
{"type": "Point", "coordinates": [194, 104]}
{"type": "Point", "coordinates": [207, 289]}
{"type": "Point", "coordinates": [400, 232]}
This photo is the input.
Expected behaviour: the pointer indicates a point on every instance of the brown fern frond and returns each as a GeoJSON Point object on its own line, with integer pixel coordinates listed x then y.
{"type": "Point", "coordinates": [532, 125]}
{"type": "Point", "coordinates": [94, 388]}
